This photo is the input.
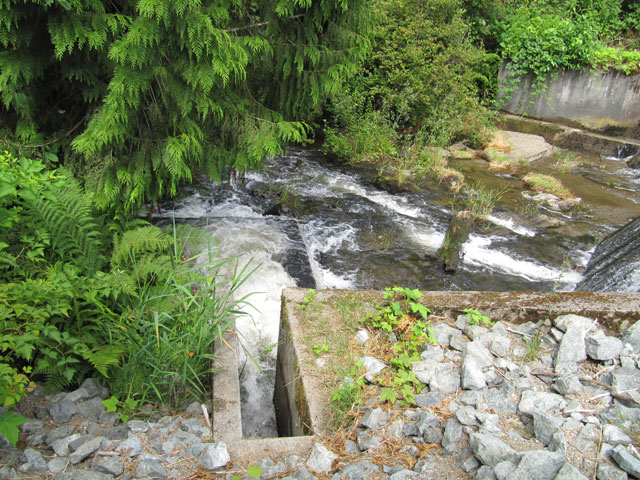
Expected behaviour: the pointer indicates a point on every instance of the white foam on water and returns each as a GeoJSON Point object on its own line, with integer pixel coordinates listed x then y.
{"type": "Point", "coordinates": [430, 240]}
{"type": "Point", "coordinates": [510, 224]}
{"type": "Point", "coordinates": [477, 252]}
{"type": "Point", "coordinates": [198, 206]}
{"type": "Point", "coordinates": [258, 332]}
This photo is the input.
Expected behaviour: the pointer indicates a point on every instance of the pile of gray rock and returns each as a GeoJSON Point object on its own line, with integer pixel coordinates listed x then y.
{"type": "Point", "coordinates": [552, 400]}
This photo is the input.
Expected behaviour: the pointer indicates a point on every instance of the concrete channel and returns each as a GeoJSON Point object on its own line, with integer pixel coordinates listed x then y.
{"type": "Point", "coordinates": [301, 401]}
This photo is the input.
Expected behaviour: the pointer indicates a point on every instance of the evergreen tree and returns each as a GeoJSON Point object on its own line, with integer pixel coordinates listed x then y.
{"type": "Point", "coordinates": [148, 91]}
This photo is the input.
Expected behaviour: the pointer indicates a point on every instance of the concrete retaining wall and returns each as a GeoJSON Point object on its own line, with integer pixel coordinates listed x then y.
{"type": "Point", "coordinates": [606, 102]}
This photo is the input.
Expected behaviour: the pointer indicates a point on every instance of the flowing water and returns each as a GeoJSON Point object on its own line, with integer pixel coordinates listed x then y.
{"type": "Point", "coordinates": [348, 233]}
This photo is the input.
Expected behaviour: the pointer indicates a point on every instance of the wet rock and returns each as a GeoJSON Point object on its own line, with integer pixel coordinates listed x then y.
{"type": "Point", "coordinates": [150, 466]}
{"type": "Point", "coordinates": [609, 472]}
{"type": "Point", "coordinates": [532, 401]}
{"type": "Point", "coordinates": [373, 419]}
{"type": "Point", "coordinates": [321, 459]}
{"type": "Point", "coordinates": [61, 412]}
{"type": "Point", "coordinates": [632, 336]}
{"type": "Point", "coordinates": [545, 425]}
{"type": "Point", "coordinates": [112, 465]}
{"type": "Point", "coordinates": [372, 367]}
{"type": "Point", "coordinates": [491, 450]}
{"type": "Point", "coordinates": [538, 465]}
{"type": "Point", "coordinates": [626, 461]}
{"type": "Point", "coordinates": [569, 472]}
{"type": "Point", "coordinates": [86, 449]}
{"type": "Point", "coordinates": [614, 435]}
{"type": "Point", "coordinates": [601, 347]}
{"type": "Point", "coordinates": [214, 456]}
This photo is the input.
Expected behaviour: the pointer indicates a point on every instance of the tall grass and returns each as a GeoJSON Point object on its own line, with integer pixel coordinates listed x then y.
{"type": "Point", "coordinates": [172, 328]}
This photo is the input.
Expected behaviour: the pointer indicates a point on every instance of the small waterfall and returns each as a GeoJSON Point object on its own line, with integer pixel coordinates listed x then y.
{"type": "Point", "coordinates": [615, 264]}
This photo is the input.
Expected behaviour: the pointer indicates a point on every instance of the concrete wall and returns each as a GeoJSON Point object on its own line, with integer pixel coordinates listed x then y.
{"type": "Point", "coordinates": [607, 102]}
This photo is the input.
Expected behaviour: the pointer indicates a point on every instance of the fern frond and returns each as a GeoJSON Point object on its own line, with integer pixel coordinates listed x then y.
{"type": "Point", "coordinates": [134, 244]}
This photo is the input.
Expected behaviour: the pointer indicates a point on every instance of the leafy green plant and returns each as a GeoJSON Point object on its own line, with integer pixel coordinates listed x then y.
{"type": "Point", "coordinates": [347, 396]}
{"type": "Point", "coordinates": [320, 349]}
{"type": "Point", "coordinates": [532, 346]}
{"type": "Point", "coordinates": [474, 317]}
{"type": "Point", "coordinates": [125, 408]}
{"type": "Point", "coordinates": [13, 387]}
{"type": "Point", "coordinates": [308, 299]}
{"type": "Point", "coordinates": [253, 471]}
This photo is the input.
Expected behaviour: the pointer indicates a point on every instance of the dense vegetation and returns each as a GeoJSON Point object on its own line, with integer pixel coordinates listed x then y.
{"type": "Point", "coordinates": [110, 106]}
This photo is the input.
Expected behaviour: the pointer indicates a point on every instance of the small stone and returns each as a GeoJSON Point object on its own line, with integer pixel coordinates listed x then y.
{"type": "Point", "coordinates": [95, 388]}
{"type": "Point", "coordinates": [86, 449]}
{"type": "Point", "coordinates": [443, 332]}
{"type": "Point", "coordinates": [601, 347]}
{"type": "Point", "coordinates": [58, 433]}
{"type": "Point", "coordinates": [588, 437]}
{"type": "Point", "coordinates": [372, 367]}
{"type": "Point", "coordinates": [452, 435]}
{"type": "Point", "coordinates": [195, 450]}
{"type": "Point", "coordinates": [138, 426]}
{"type": "Point", "coordinates": [625, 379]}
{"type": "Point", "coordinates": [569, 472]}
{"type": "Point", "coordinates": [410, 430]}
{"type": "Point", "coordinates": [405, 474]}
{"type": "Point", "coordinates": [61, 445]}
{"type": "Point", "coordinates": [77, 443]}
{"type": "Point", "coordinates": [563, 322]}
{"type": "Point", "coordinates": [490, 450]}
{"type": "Point", "coordinates": [614, 435]}
{"type": "Point", "coordinates": [362, 337]}
{"type": "Point", "coordinates": [568, 385]}
{"type": "Point", "coordinates": [532, 401]}
{"type": "Point", "coordinates": [61, 412]}
{"type": "Point", "coordinates": [361, 470]}
{"type": "Point", "coordinates": [626, 461]}
{"type": "Point", "coordinates": [467, 416]}
{"type": "Point", "coordinates": [7, 472]}
{"type": "Point", "coordinates": [545, 426]}
{"type": "Point", "coordinates": [78, 395]}
{"type": "Point", "coordinates": [484, 473]}
{"type": "Point", "coordinates": [112, 465]}
{"type": "Point", "coordinates": [117, 433]}
{"type": "Point", "coordinates": [609, 472]}
{"type": "Point", "coordinates": [33, 461]}
{"type": "Point", "coordinates": [91, 409]}
{"type": "Point", "coordinates": [180, 437]}
{"type": "Point", "coordinates": [196, 426]}
{"type": "Point", "coordinates": [130, 447]}
{"type": "Point", "coordinates": [458, 341]}
{"type": "Point", "coordinates": [373, 419]}
{"type": "Point", "coordinates": [471, 463]}
{"type": "Point", "coordinates": [538, 465]}
{"type": "Point", "coordinates": [31, 426]}
{"type": "Point", "coordinates": [367, 441]}
{"type": "Point", "coordinates": [445, 381]}
{"type": "Point", "coordinates": [428, 400]}
{"type": "Point", "coordinates": [432, 352]}
{"type": "Point", "coordinates": [571, 350]}
{"type": "Point", "coordinates": [351, 447]}
{"type": "Point", "coordinates": [424, 370]}
{"type": "Point", "coordinates": [500, 346]}
{"type": "Point", "coordinates": [503, 470]}
{"type": "Point", "coordinates": [57, 465]}
{"type": "Point", "coordinates": [472, 375]}
{"type": "Point", "coordinates": [150, 466]}
{"type": "Point", "coordinates": [632, 336]}
{"type": "Point", "coordinates": [214, 456]}
{"type": "Point", "coordinates": [320, 459]}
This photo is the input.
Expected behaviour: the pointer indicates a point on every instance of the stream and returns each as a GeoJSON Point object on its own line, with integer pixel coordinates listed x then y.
{"type": "Point", "coordinates": [349, 233]}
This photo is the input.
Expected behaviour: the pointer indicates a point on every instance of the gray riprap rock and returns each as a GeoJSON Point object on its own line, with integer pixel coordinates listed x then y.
{"type": "Point", "coordinates": [491, 450]}
{"type": "Point", "coordinates": [362, 337]}
{"type": "Point", "coordinates": [78, 395]}
{"type": "Point", "coordinates": [86, 449]}
{"type": "Point", "coordinates": [270, 469]}
{"type": "Point", "coordinates": [57, 433]}
{"type": "Point", "coordinates": [83, 475]}
{"type": "Point", "coordinates": [95, 388]}
{"type": "Point", "coordinates": [214, 456]}
{"type": "Point", "coordinates": [33, 461]}
{"type": "Point", "coordinates": [475, 332]}
{"type": "Point", "coordinates": [614, 435]}
{"type": "Point", "coordinates": [138, 426]}
{"type": "Point", "coordinates": [424, 370]}
{"type": "Point", "coordinates": [426, 420]}
{"type": "Point", "coordinates": [471, 463]}
{"type": "Point", "coordinates": [532, 401]}
{"type": "Point", "coordinates": [500, 346]}
{"type": "Point", "coordinates": [538, 465]}
{"type": "Point", "coordinates": [472, 377]}
{"type": "Point", "coordinates": [446, 380]}
{"type": "Point", "coordinates": [405, 475]}
{"type": "Point", "coordinates": [500, 399]}
{"type": "Point", "coordinates": [301, 474]}
{"type": "Point", "coordinates": [77, 443]}
{"type": "Point", "coordinates": [431, 399]}
{"type": "Point", "coordinates": [410, 429]}
{"type": "Point", "coordinates": [130, 447]}
{"type": "Point", "coordinates": [363, 470]}
{"type": "Point", "coordinates": [150, 466]}
{"type": "Point", "coordinates": [467, 416]}
{"type": "Point", "coordinates": [479, 352]}
{"type": "Point", "coordinates": [485, 472]}
{"type": "Point", "coordinates": [504, 469]}
{"type": "Point", "coordinates": [8, 472]}
{"type": "Point", "coordinates": [545, 425]}
{"type": "Point", "coordinates": [372, 367]}
{"type": "Point", "coordinates": [180, 437]}
{"type": "Point", "coordinates": [632, 336]}
{"type": "Point", "coordinates": [117, 433]}
{"type": "Point", "coordinates": [375, 418]}
{"type": "Point", "coordinates": [61, 445]}
{"type": "Point", "coordinates": [458, 341]}
{"type": "Point", "coordinates": [91, 409]}
{"type": "Point", "coordinates": [442, 333]}
{"type": "Point", "coordinates": [432, 352]}
{"type": "Point", "coordinates": [396, 427]}
{"type": "Point", "coordinates": [568, 385]}
{"type": "Point", "coordinates": [58, 464]}
{"type": "Point", "coordinates": [563, 322]}
{"type": "Point", "coordinates": [625, 378]}
{"type": "Point", "coordinates": [609, 472]}
{"type": "Point", "coordinates": [588, 437]}
{"type": "Point", "coordinates": [196, 426]}
{"type": "Point", "coordinates": [569, 472]}
{"type": "Point", "coordinates": [626, 461]}
{"type": "Point", "coordinates": [112, 465]}
{"type": "Point", "coordinates": [351, 447]}
{"type": "Point", "coordinates": [570, 351]}
{"type": "Point", "coordinates": [558, 443]}
{"type": "Point", "coordinates": [32, 426]}
{"type": "Point", "coordinates": [452, 435]}
{"type": "Point", "coordinates": [61, 412]}
{"type": "Point", "coordinates": [366, 441]}
{"type": "Point", "coordinates": [320, 459]}
{"type": "Point", "coordinates": [601, 347]}
{"type": "Point", "coordinates": [195, 450]}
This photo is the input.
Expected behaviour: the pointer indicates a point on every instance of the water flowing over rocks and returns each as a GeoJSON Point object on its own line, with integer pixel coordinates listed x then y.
{"type": "Point", "coordinates": [487, 411]}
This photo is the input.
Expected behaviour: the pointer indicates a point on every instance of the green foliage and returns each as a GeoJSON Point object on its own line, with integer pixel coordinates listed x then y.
{"type": "Point", "coordinates": [253, 471]}
{"type": "Point", "coordinates": [125, 408]}
{"type": "Point", "coordinates": [474, 317]}
{"type": "Point", "coordinates": [9, 423]}
{"type": "Point", "coordinates": [348, 395]}
{"type": "Point", "coordinates": [150, 93]}
{"type": "Point", "coordinates": [320, 349]}
{"type": "Point", "coordinates": [611, 58]}
{"type": "Point", "coordinates": [13, 387]}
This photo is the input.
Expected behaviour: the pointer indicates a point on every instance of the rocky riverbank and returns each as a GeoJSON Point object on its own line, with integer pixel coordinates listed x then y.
{"type": "Point", "coordinates": [554, 400]}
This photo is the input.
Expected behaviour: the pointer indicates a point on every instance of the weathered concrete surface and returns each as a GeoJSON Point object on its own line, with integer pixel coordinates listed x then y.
{"type": "Point", "coordinates": [607, 102]}
{"type": "Point", "coordinates": [571, 138]}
